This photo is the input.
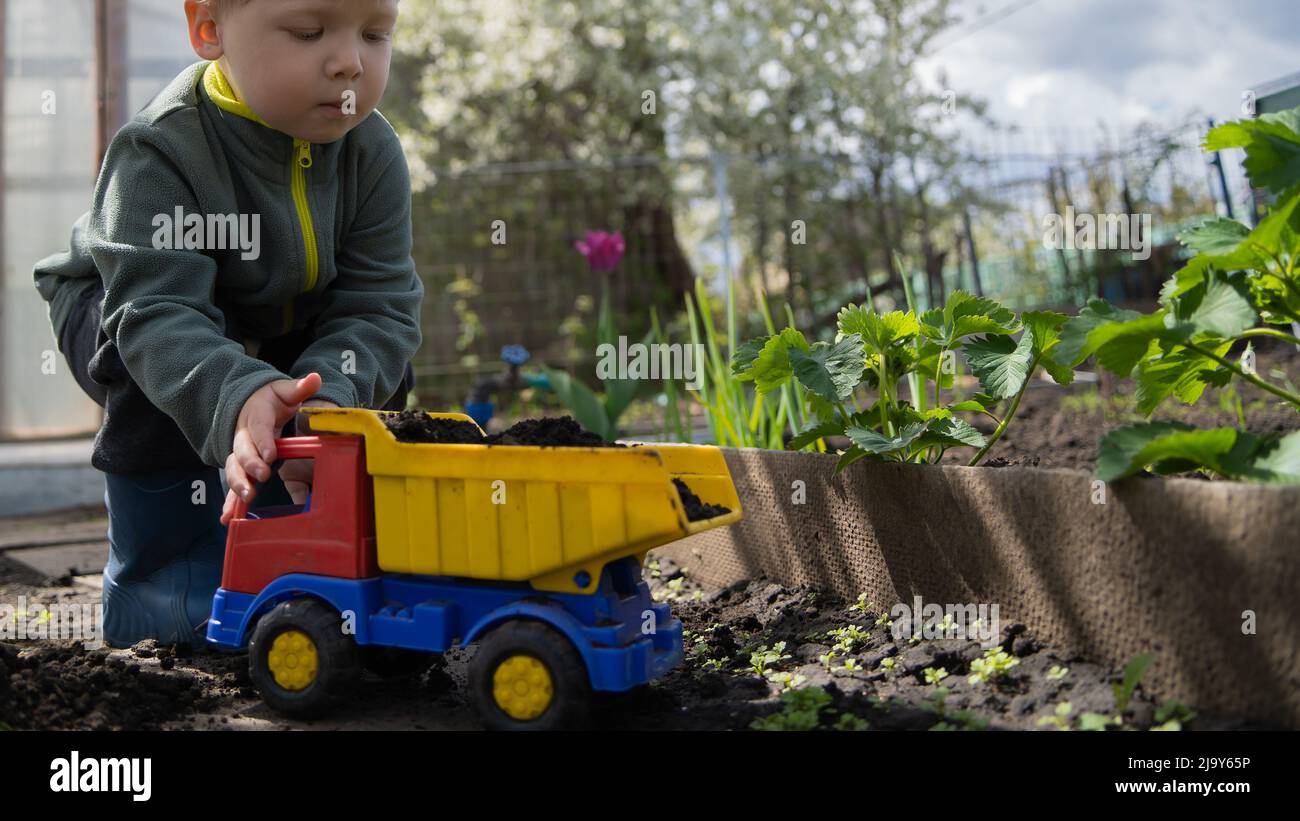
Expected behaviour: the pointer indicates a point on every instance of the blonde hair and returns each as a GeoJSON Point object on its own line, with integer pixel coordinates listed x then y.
{"type": "Point", "coordinates": [219, 7]}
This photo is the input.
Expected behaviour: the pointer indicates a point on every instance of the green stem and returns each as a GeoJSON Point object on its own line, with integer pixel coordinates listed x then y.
{"type": "Point", "coordinates": [1270, 332]}
{"type": "Point", "coordinates": [938, 374]}
{"type": "Point", "coordinates": [1006, 420]}
{"type": "Point", "coordinates": [1291, 398]}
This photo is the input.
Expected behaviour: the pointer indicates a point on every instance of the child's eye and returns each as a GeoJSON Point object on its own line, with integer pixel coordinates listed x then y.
{"type": "Point", "coordinates": [308, 35]}
{"type": "Point", "coordinates": [378, 36]}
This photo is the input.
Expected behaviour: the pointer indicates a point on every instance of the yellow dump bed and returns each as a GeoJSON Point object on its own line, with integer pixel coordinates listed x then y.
{"type": "Point", "coordinates": [547, 515]}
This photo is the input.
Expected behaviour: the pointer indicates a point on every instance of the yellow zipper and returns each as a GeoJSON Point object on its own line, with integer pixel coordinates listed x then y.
{"type": "Point", "coordinates": [301, 162]}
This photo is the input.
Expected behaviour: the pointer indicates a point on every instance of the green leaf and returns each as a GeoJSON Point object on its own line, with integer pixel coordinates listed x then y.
{"type": "Point", "coordinates": [874, 443]}
{"type": "Point", "coordinates": [1182, 373]}
{"type": "Point", "coordinates": [964, 315]}
{"type": "Point", "coordinates": [619, 393]}
{"type": "Point", "coordinates": [581, 402]}
{"type": "Point", "coordinates": [813, 432]}
{"type": "Point", "coordinates": [878, 331]}
{"type": "Point", "coordinates": [830, 371]}
{"type": "Point", "coordinates": [1044, 327]}
{"type": "Point", "coordinates": [1075, 343]}
{"type": "Point", "coordinates": [1272, 144]}
{"type": "Point", "coordinates": [1133, 672]}
{"type": "Point", "coordinates": [850, 456]}
{"type": "Point", "coordinates": [969, 405]}
{"type": "Point", "coordinates": [1126, 451]}
{"type": "Point", "coordinates": [1184, 279]}
{"type": "Point", "coordinates": [742, 362]}
{"type": "Point", "coordinates": [1000, 363]}
{"type": "Point", "coordinates": [1120, 345]}
{"type": "Point", "coordinates": [951, 433]}
{"type": "Point", "coordinates": [771, 368]}
{"type": "Point", "coordinates": [1220, 306]}
{"type": "Point", "coordinates": [1215, 237]}
{"type": "Point", "coordinates": [1275, 461]}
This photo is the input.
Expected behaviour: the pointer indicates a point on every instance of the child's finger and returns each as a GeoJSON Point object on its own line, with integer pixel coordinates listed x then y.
{"type": "Point", "coordinates": [237, 479]}
{"type": "Point", "coordinates": [294, 394]}
{"type": "Point", "coordinates": [228, 508]}
{"type": "Point", "coordinates": [263, 426]}
{"type": "Point", "coordinates": [247, 454]}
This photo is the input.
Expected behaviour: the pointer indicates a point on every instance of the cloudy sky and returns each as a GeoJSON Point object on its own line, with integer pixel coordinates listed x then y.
{"type": "Point", "coordinates": [1083, 62]}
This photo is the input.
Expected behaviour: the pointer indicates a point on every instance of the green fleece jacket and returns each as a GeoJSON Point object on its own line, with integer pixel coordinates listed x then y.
{"type": "Point", "coordinates": [215, 236]}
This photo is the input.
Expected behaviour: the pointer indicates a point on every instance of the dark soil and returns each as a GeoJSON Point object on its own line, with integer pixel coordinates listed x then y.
{"type": "Point", "coordinates": [554, 432]}
{"type": "Point", "coordinates": [418, 426]}
{"type": "Point", "coordinates": [695, 509]}
{"type": "Point", "coordinates": [550, 432]}
{"type": "Point", "coordinates": [61, 685]}
{"type": "Point", "coordinates": [716, 686]}
{"type": "Point", "coordinates": [1062, 427]}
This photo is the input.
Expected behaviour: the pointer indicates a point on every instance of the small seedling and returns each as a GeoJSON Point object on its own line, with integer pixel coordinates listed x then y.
{"type": "Point", "coordinates": [933, 676]}
{"type": "Point", "coordinates": [889, 663]}
{"type": "Point", "coordinates": [1057, 672]}
{"type": "Point", "coordinates": [1133, 672]}
{"type": "Point", "coordinates": [849, 639]}
{"type": "Point", "coordinates": [827, 659]}
{"type": "Point", "coordinates": [800, 710]}
{"type": "Point", "coordinates": [851, 666]}
{"type": "Point", "coordinates": [762, 658]}
{"type": "Point", "coordinates": [1171, 716]}
{"type": "Point", "coordinates": [1060, 718]}
{"type": "Point", "coordinates": [1096, 722]}
{"type": "Point", "coordinates": [994, 665]}
{"type": "Point", "coordinates": [959, 720]}
{"type": "Point", "coordinates": [861, 605]}
{"type": "Point", "coordinates": [788, 681]}
{"type": "Point", "coordinates": [848, 721]}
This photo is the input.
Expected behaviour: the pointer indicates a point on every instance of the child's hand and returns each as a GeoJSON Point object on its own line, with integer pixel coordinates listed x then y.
{"type": "Point", "coordinates": [260, 420]}
{"type": "Point", "coordinates": [296, 473]}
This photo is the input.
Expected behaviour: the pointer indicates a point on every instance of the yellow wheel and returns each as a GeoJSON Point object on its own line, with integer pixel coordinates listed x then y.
{"type": "Point", "coordinates": [526, 675]}
{"type": "Point", "coordinates": [293, 661]}
{"type": "Point", "coordinates": [522, 687]}
{"type": "Point", "coordinates": [301, 660]}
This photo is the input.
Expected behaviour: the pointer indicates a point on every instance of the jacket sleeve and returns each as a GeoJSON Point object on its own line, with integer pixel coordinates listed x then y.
{"type": "Point", "coordinates": [369, 327]}
{"type": "Point", "coordinates": [158, 303]}
{"type": "Point", "coordinates": [65, 278]}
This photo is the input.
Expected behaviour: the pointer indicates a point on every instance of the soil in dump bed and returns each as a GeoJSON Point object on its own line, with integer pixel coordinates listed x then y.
{"type": "Point", "coordinates": [695, 509]}
{"type": "Point", "coordinates": [563, 431]}
{"type": "Point", "coordinates": [550, 432]}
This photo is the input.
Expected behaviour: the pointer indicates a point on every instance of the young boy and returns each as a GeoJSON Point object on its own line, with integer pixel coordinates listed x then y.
{"type": "Point", "coordinates": [249, 252]}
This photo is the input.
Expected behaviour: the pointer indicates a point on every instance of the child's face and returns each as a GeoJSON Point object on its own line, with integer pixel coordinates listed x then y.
{"type": "Point", "coordinates": [301, 65]}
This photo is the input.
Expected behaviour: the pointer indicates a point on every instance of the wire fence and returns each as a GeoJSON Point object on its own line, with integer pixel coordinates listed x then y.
{"type": "Point", "coordinates": [496, 243]}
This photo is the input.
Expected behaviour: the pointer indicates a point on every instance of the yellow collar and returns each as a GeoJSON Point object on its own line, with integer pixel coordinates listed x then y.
{"type": "Point", "coordinates": [219, 89]}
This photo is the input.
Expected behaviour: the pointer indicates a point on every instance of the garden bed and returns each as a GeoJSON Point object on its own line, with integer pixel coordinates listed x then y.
{"type": "Point", "coordinates": [721, 683]}
{"type": "Point", "coordinates": [1201, 575]}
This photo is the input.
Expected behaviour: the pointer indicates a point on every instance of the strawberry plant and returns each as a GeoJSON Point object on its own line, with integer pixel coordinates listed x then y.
{"type": "Point", "coordinates": [1242, 285]}
{"type": "Point", "coordinates": [878, 352]}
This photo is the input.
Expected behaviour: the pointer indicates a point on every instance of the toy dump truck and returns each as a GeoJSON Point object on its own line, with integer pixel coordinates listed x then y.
{"type": "Point", "coordinates": [405, 549]}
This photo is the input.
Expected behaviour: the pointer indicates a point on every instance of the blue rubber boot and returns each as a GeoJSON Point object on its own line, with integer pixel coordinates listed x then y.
{"type": "Point", "coordinates": [166, 551]}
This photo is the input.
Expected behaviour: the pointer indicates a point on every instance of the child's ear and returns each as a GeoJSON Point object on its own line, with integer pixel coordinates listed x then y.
{"type": "Point", "coordinates": [203, 31]}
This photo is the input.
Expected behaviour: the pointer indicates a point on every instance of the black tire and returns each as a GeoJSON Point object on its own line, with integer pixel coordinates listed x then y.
{"type": "Point", "coordinates": [394, 662]}
{"type": "Point", "coordinates": [568, 707]}
{"type": "Point", "coordinates": [338, 664]}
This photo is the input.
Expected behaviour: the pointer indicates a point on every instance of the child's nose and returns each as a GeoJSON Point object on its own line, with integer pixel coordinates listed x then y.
{"type": "Point", "coordinates": [345, 64]}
